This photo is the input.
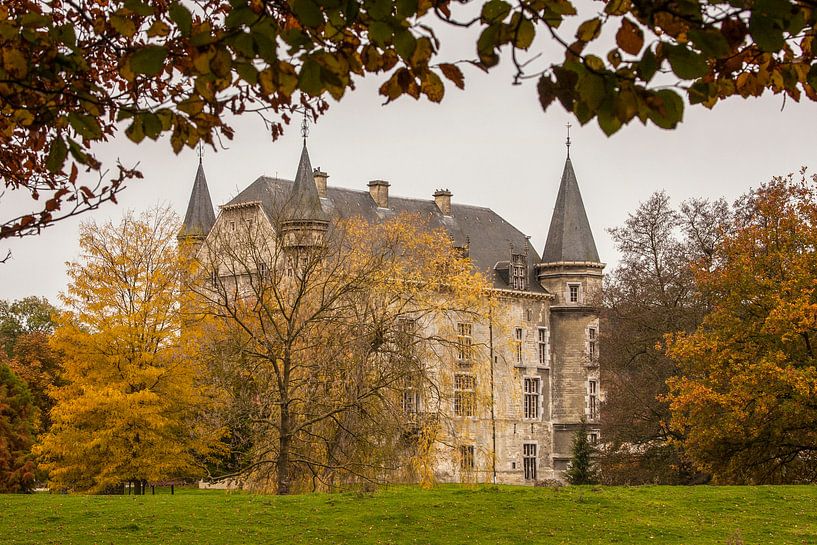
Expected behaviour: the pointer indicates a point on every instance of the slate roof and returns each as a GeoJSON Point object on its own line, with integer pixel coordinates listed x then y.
{"type": "Point", "coordinates": [200, 217]}
{"type": "Point", "coordinates": [303, 202]}
{"type": "Point", "coordinates": [489, 237]}
{"type": "Point", "coordinates": [569, 236]}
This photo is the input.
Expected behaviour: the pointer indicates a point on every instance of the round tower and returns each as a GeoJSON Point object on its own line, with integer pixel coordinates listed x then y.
{"type": "Point", "coordinates": [571, 271]}
{"type": "Point", "coordinates": [304, 223]}
{"type": "Point", "coordinates": [200, 216]}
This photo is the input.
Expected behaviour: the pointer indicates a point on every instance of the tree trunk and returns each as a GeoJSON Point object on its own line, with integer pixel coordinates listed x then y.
{"type": "Point", "coordinates": [282, 463]}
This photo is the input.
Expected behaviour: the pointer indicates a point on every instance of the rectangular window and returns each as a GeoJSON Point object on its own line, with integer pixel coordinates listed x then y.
{"type": "Point", "coordinates": [232, 226]}
{"type": "Point", "coordinates": [466, 457]}
{"type": "Point", "coordinates": [592, 399]}
{"type": "Point", "coordinates": [464, 342]}
{"type": "Point", "coordinates": [214, 278]}
{"type": "Point", "coordinates": [518, 335]}
{"type": "Point", "coordinates": [410, 401]}
{"type": "Point", "coordinates": [531, 387]}
{"type": "Point", "coordinates": [591, 343]}
{"type": "Point", "coordinates": [574, 292]}
{"type": "Point", "coordinates": [518, 272]}
{"type": "Point", "coordinates": [593, 438]}
{"type": "Point", "coordinates": [406, 329]}
{"type": "Point", "coordinates": [529, 461]}
{"type": "Point", "coordinates": [542, 343]}
{"type": "Point", "coordinates": [262, 270]}
{"type": "Point", "coordinates": [464, 395]}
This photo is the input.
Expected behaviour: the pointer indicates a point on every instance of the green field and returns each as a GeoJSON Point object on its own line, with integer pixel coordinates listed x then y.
{"type": "Point", "coordinates": [445, 515]}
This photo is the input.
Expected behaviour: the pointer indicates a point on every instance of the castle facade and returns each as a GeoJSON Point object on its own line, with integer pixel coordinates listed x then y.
{"type": "Point", "coordinates": [538, 373]}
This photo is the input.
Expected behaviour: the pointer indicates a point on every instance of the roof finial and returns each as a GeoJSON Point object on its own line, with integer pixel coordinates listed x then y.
{"type": "Point", "coordinates": [201, 151]}
{"type": "Point", "coordinates": [568, 139]}
{"type": "Point", "coordinates": [305, 126]}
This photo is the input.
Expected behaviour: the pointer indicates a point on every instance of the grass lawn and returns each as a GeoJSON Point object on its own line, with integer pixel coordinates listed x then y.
{"type": "Point", "coordinates": [785, 515]}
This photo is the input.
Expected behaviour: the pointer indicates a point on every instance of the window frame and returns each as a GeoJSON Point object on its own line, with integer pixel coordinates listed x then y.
{"type": "Point", "coordinates": [592, 399]}
{"type": "Point", "coordinates": [519, 272]}
{"type": "Point", "coordinates": [574, 290]}
{"type": "Point", "coordinates": [592, 343]}
{"type": "Point", "coordinates": [468, 457]}
{"type": "Point", "coordinates": [519, 339]}
{"type": "Point", "coordinates": [531, 398]}
{"type": "Point", "coordinates": [410, 401]}
{"type": "Point", "coordinates": [465, 342]}
{"type": "Point", "coordinates": [404, 338]}
{"type": "Point", "coordinates": [530, 461]}
{"type": "Point", "coordinates": [543, 346]}
{"type": "Point", "coordinates": [465, 393]}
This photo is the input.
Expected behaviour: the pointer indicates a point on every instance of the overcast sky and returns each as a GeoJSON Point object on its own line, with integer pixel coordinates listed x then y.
{"type": "Point", "coordinates": [490, 144]}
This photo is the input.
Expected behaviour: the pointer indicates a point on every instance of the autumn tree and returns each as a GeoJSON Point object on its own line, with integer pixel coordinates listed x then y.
{"type": "Point", "coordinates": [73, 74]}
{"type": "Point", "coordinates": [744, 402]}
{"type": "Point", "coordinates": [25, 328]}
{"type": "Point", "coordinates": [17, 414]}
{"type": "Point", "coordinates": [131, 404]}
{"type": "Point", "coordinates": [325, 347]}
{"type": "Point", "coordinates": [27, 315]}
{"type": "Point", "coordinates": [651, 292]}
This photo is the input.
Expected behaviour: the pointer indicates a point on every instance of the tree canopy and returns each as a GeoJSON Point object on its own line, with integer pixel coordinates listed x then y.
{"type": "Point", "coordinates": [651, 292]}
{"type": "Point", "coordinates": [17, 414]}
{"type": "Point", "coordinates": [329, 352]}
{"type": "Point", "coordinates": [130, 407]}
{"type": "Point", "coordinates": [26, 315]}
{"type": "Point", "coordinates": [745, 398]}
{"type": "Point", "coordinates": [72, 73]}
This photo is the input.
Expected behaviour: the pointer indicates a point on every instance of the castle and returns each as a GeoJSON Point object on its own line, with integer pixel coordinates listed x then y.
{"type": "Point", "coordinates": [544, 376]}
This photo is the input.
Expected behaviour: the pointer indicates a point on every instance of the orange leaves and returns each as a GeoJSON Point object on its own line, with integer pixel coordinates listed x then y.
{"type": "Point", "coordinates": [749, 369]}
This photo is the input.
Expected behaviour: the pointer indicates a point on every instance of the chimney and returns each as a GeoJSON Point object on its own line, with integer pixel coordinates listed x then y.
{"type": "Point", "coordinates": [379, 190]}
{"type": "Point", "coordinates": [442, 198]}
{"type": "Point", "coordinates": [320, 181]}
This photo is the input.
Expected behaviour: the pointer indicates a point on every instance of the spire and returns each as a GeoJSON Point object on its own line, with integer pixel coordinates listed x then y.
{"type": "Point", "coordinates": [304, 202]}
{"type": "Point", "coordinates": [200, 217]}
{"type": "Point", "coordinates": [568, 140]}
{"type": "Point", "coordinates": [569, 236]}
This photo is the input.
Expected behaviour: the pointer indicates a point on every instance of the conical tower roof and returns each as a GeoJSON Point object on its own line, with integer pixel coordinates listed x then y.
{"type": "Point", "coordinates": [200, 217]}
{"type": "Point", "coordinates": [304, 203]}
{"type": "Point", "coordinates": [569, 236]}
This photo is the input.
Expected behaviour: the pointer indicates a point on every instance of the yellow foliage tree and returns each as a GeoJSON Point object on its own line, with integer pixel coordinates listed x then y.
{"type": "Point", "coordinates": [130, 407]}
{"type": "Point", "coordinates": [745, 400]}
{"type": "Point", "coordinates": [332, 342]}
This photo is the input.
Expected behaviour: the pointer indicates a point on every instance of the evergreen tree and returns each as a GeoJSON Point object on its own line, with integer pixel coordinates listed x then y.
{"type": "Point", "coordinates": [582, 470]}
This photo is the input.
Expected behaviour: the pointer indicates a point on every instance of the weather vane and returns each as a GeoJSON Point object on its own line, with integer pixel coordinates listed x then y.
{"type": "Point", "coordinates": [568, 139]}
{"type": "Point", "coordinates": [201, 152]}
{"type": "Point", "coordinates": [305, 126]}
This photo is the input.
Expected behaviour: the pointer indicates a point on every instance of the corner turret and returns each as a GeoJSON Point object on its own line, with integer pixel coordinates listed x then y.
{"type": "Point", "coordinates": [304, 223]}
{"type": "Point", "coordinates": [200, 216]}
{"type": "Point", "coordinates": [571, 271]}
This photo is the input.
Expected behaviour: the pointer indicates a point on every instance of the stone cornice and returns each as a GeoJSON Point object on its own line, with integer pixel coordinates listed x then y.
{"type": "Point", "coordinates": [522, 294]}
{"type": "Point", "coordinates": [239, 205]}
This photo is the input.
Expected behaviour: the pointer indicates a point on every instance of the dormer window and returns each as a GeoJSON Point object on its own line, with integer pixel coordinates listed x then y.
{"type": "Point", "coordinates": [519, 272]}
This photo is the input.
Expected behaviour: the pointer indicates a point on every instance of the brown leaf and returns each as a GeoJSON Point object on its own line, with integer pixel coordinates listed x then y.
{"type": "Point", "coordinates": [432, 87]}
{"type": "Point", "coordinates": [453, 73]}
{"type": "Point", "coordinates": [629, 37]}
